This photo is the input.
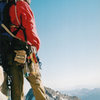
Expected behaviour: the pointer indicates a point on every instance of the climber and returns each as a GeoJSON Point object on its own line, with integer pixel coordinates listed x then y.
{"type": "Point", "coordinates": [17, 56]}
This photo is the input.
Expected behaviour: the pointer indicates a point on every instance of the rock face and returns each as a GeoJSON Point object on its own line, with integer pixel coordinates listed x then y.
{"type": "Point", "coordinates": [52, 95]}
{"type": "Point", "coordinates": [1, 76]}
{"type": "Point", "coordinates": [2, 96]}
{"type": "Point", "coordinates": [56, 95]}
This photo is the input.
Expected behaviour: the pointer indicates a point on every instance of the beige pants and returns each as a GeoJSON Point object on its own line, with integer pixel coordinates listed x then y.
{"type": "Point", "coordinates": [18, 81]}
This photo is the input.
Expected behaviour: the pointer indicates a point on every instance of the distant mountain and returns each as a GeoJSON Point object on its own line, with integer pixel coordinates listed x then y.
{"type": "Point", "coordinates": [85, 94]}
{"type": "Point", "coordinates": [52, 95]}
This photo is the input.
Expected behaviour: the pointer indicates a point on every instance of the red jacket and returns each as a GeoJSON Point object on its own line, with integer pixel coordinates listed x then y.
{"type": "Point", "coordinates": [26, 17]}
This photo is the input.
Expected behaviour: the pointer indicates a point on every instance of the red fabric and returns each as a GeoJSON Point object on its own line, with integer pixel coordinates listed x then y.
{"type": "Point", "coordinates": [26, 17]}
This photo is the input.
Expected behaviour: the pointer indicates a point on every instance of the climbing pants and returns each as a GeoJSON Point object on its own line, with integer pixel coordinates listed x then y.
{"type": "Point", "coordinates": [34, 79]}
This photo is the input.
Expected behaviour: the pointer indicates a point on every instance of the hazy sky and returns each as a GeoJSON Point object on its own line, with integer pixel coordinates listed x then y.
{"type": "Point", "coordinates": [69, 31]}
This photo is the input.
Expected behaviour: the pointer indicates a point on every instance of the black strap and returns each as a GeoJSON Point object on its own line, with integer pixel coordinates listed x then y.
{"type": "Point", "coordinates": [15, 32]}
{"type": "Point", "coordinates": [25, 34]}
{"type": "Point", "coordinates": [24, 31]}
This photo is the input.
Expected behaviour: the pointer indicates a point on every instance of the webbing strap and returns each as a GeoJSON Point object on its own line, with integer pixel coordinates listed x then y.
{"type": "Point", "coordinates": [20, 24]}
{"type": "Point", "coordinates": [7, 30]}
{"type": "Point", "coordinates": [17, 16]}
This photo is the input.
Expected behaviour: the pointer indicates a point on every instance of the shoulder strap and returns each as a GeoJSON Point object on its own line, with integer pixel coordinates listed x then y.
{"type": "Point", "coordinates": [16, 15]}
{"type": "Point", "coordinates": [20, 24]}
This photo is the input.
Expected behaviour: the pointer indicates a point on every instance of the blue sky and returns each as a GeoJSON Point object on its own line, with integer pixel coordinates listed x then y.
{"type": "Point", "coordinates": [69, 31]}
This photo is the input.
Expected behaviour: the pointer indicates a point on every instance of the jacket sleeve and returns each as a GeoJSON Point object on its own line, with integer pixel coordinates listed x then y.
{"type": "Point", "coordinates": [28, 23]}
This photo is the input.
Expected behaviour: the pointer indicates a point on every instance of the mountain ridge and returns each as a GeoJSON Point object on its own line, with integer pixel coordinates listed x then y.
{"type": "Point", "coordinates": [52, 95]}
{"type": "Point", "coordinates": [85, 94]}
